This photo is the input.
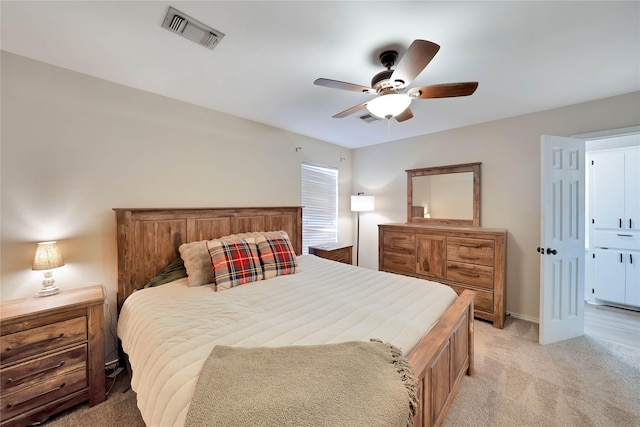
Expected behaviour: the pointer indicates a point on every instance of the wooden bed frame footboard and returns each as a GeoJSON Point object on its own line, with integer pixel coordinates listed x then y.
{"type": "Point", "coordinates": [441, 359]}
{"type": "Point", "coordinates": [148, 240]}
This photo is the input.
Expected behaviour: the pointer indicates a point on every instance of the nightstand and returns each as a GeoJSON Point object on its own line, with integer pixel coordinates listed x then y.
{"type": "Point", "coordinates": [52, 354]}
{"type": "Point", "coordinates": [333, 251]}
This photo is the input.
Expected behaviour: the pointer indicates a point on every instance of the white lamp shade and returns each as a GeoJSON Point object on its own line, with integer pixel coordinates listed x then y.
{"type": "Point", "coordinates": [47, 257]}
{"type": "Point", "coordinates": [362, 203]}
{"type": "Point", "coordinates": [388, 106]}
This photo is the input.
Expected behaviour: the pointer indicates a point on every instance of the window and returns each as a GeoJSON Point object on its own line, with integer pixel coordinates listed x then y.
{"type": "Point", "coordinates": [320, 205]}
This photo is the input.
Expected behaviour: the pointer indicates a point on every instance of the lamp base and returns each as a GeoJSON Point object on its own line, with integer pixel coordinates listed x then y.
{"type": "Point", "coordinates": [48, 288]}
{"type": "Point", "coordinates": [48, 285]}
{"type": "Point", "coordinates": [46, 291]}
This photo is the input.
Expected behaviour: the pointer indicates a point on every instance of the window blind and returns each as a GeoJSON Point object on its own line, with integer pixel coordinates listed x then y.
{"type": "Point", "coordinates": [320, 205]}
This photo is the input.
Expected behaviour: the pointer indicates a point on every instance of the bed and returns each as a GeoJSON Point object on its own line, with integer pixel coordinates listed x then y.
{"type": "Point", "coordinates": [437, 342]}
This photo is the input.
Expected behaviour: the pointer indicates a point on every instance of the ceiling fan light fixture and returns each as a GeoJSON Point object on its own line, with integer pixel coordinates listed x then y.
{"type": "Point", "coordinates": [388, 106]}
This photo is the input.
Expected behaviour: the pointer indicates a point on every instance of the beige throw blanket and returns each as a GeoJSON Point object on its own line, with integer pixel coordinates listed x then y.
{"type": "Point", "coordinates": [346, 384]}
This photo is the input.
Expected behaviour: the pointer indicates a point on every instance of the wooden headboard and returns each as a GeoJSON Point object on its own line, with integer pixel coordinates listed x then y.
{"type": "Point", "coordinates": [148, 239]}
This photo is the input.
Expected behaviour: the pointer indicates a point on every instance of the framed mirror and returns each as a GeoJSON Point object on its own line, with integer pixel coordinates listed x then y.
{"type": "Point", "coordinates": [448, 195]}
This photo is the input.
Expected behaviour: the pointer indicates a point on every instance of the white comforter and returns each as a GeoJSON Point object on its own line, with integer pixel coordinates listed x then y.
{"type": "Point", "coordinates": [169, 331]}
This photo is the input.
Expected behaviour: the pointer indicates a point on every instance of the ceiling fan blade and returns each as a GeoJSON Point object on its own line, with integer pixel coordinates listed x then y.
{"type": "Point", "coordinates": [405, 115]}
{"type": "Point", "coordinates": [350, 111]}
{"type": "Point", "coordinates": [445, 90]}
{"type": "Point", "coordinates": [336, 84]}
{"type": "Point", "coordinates": [414, 60]}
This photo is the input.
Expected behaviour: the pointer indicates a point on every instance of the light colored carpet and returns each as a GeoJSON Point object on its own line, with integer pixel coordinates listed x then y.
{"type": "Point", "coordinates": [585, 381]}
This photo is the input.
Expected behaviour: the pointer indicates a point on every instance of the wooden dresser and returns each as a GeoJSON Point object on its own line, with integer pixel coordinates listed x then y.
{"type": "Point", "coordinates": [52, 354]}
{"type": "Point", "coordinates": [333, 251]}
{"type": "Point", "coordinates": [461, 257]}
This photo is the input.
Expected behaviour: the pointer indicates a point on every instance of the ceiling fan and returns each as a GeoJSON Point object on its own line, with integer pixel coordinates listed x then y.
{"type": "Point", "coordinates": [389, 85]}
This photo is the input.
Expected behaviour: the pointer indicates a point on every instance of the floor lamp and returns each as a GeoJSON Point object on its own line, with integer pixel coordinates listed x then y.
{"type": "Point", "coordinates": [360, 203]}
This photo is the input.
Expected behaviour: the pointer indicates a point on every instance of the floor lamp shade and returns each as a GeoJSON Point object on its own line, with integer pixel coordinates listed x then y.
{"type": "Point", "coordinates": [360, 203]}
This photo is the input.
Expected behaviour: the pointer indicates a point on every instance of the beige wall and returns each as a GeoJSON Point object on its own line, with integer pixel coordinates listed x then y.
{"type": "Point", "coordinates": [509, 150]}
{"type": "Point", "coordinates": [74, 147]}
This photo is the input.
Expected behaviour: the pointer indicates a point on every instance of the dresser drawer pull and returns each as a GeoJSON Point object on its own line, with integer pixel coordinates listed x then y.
{"type": "Point", "coordinates": [33, 374]}
{"type": "Point", "coordinates": [624, 235]}
{"type": "Point", "coordinates": [471, 258]}
{"type": "Point", "coordinates": [31, 344]}
{"type": "Point", "coordinates": [11, 405]}
{"type": "Point", "coordinates": [462, 273]}
{"type": "Point", "coordinates": [467, 245]}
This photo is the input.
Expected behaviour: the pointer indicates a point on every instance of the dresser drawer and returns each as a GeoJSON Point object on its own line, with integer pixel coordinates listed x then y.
{"type": "Point", "coordinates": [483, 300]}
{"type": "Point", "coordinates": [462, 257]}
{"type": "Point", "coordinates": [399, 262]}
{"type": "Point", "coordinates": [21, 345]}
{"type": "Point", "coordinates": [399, 243]}
{"type": "Point", "coordinates": [43, 392]}
{"type": "Point", "coordinates": [38, 370]}
{"type": "Point", "coordinates": [473, 251]}
{"type": "Point", "coordinates": [470, 274]}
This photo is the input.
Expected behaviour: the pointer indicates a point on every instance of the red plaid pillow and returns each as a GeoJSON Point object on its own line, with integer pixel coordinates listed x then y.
{"type": "Point", "coordinates": [235, 262]}
{"type": "Point", "coordinates": [277, 255]}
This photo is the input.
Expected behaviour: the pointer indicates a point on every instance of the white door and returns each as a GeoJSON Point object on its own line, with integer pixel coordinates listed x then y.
{"type": "Point", "coordinates": [562, 233]}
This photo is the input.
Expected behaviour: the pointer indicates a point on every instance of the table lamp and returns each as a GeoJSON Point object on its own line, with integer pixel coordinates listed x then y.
{"type": "Point", "coordinates": [47, 258]}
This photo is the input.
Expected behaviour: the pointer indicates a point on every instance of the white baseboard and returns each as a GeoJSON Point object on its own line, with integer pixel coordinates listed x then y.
{"type": "Point", "coordinates": [523, 317]}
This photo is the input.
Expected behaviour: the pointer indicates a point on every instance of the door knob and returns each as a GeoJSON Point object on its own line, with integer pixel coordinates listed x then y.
{"type": "Point", "coordinates": [551, 251]}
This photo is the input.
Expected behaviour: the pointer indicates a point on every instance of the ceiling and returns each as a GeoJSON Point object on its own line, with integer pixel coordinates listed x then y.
{"type": "Point", "coordinates": [526, 56]}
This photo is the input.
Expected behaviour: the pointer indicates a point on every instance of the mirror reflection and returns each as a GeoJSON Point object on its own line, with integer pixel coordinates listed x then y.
{"type": "Point", "coordinates": [444, 194]}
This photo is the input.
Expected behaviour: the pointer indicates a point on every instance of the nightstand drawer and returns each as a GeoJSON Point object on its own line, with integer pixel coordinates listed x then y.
{"type": "Point", "coordinates": [332, 251]}
{"type": "Point", "coordinates": [21, 345]}
{"type": "Point", "coordinates": [37, 371]}
{"type": "Point", "coordinates": [43, 392]}
{"type": "Point", "coordinates": [343, 255]}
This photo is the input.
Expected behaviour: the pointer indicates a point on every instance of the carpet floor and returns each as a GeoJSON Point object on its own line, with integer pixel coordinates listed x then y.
{"type": "Point", "coordinates": [585, 381]}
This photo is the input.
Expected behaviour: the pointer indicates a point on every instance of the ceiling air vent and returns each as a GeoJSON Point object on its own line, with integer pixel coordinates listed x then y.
{"type": "Point", "coordinates": [369, 118]}
{"type": "Point", "coordinates": [181, 24]}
